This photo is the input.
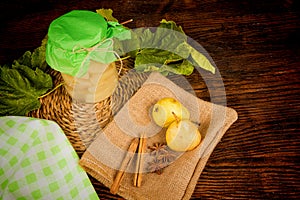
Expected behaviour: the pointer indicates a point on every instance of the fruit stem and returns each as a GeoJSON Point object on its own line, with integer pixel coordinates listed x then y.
{"type": "Point", "coordinates": [176, 118]}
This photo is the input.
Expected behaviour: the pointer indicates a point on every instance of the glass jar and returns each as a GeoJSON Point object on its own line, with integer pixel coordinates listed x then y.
{"type": "Point", "coordinates": [80, 45]}
{"type": "Point", "coordinates": [96, 85]}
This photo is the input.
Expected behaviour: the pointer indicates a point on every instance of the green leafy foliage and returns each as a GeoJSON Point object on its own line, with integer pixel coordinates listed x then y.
{"type": "Point", "coordinates": [36, 59]}
{"type": "Point", "coordinates": [162, 61]}
{"type": "Point", "coordinates": [164, 49]}
{"type": "Point", "coordinates": [23, 82]}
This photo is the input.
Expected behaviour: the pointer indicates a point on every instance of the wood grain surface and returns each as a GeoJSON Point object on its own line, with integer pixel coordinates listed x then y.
{"type": "Point", "coordinates": [255, 45]}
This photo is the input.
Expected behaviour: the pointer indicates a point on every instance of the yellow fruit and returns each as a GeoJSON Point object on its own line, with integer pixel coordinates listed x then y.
{"type": "Point", "coordinates": [183, 135]}
{"type": "Point", "coordinates": [164, 110]}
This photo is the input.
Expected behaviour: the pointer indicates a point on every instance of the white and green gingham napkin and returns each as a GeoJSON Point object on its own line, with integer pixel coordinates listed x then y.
{"type": "Point", "coordinates": [38, 162]}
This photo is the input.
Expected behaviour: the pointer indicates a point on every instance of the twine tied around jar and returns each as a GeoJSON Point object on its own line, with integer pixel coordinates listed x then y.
{"type": "Point", "coordinates": [97, 48]}
{"type": "Point", "coordinates": [90, 50]}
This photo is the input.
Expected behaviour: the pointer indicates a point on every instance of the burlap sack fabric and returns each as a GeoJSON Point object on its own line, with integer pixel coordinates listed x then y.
{"type": "Point", "coordinates": [178, 180]}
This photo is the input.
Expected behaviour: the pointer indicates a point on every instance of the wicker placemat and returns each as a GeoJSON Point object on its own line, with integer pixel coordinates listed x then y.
{"type": "Point", "coordinates": [81, 122]}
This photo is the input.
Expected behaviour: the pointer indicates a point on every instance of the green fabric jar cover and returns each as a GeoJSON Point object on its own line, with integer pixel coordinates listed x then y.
{"type": "Point", "coordinates": [79, 36]}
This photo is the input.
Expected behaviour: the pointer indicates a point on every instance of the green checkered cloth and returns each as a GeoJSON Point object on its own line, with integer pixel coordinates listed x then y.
{"type": "Point", "coordinates": [38, 162]}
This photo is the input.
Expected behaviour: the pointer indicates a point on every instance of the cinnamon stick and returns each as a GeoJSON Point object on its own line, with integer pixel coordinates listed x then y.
{"type": "Point", "coordinates": [137, 181]}
{"type": "Point", "coordinates": [120, 174]}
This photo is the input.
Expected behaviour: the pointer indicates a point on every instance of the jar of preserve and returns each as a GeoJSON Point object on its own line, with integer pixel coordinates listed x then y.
{"type": "Point", "coordinates": [80, 46]}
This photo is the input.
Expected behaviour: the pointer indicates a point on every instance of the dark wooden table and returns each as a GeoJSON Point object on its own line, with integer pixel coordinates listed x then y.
{"type": "Point", "coordinates": [255, 45]}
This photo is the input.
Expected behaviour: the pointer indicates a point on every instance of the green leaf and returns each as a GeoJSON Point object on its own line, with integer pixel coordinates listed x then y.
{"type": "Point", "coordinates": [170, 25]}
{"type": "Point", "coordinates": [38, 57]}
{"type": "Point", "coordinates": [164, 49]}
{"type": "Point", "coordinates": [25, 59]}
{"type": "Point", "coordinates": [162, 61]}
{"type": "Point", "coordinates": [168, 36]}
{"type": "Point", "coordinates": [156, 56]}
{"type": "Point", "coordinates": [20, 88]}
{"type": "Point", "coordinates": [184, 67]}
{"type": "Point", "coordinates": [107, 14]}
{"type": "Point", "coordinates": [23, 82]}
{"type": "Point", "coordinates": [35, 59]}
{"type": "Point", "coordinates": [201, 61]}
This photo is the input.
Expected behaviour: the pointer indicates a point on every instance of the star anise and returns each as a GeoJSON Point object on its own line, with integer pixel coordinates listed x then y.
{"type": "Point", "coordinates": [162, 157]}
{"type": "Point", "coordinates": [168, 156]}
{"type": "Point", "coordinates": [157, 148]}
{"type": "Point", "coordinates": [156, 166]}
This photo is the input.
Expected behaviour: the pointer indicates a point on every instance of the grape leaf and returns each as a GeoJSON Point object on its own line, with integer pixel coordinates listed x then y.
{"type": "Point", "coordinates": [164, 49]}
{"type": "Point", "coordinates": [35, 59]}
{"type": "Point", "coordinates": [38, 57]}
{"type": "Point", "coordinates": [20, 89]}
{"type": "Point", "coordinates": [23, 82]}
{"type": "Point", "coordinates": [163, 62]}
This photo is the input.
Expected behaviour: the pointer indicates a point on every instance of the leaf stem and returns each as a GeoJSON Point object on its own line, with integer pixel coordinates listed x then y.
{"type": "Point", "coordinates": [124, 58]}
{"type": "Point", "coordinates": [128, 21]}
{"type": "Point", "coordinates": [44, 95]}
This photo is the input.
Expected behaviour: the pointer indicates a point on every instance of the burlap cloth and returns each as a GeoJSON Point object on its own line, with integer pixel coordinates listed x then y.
{"type": "Point", "coordinates": [178, 180]}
